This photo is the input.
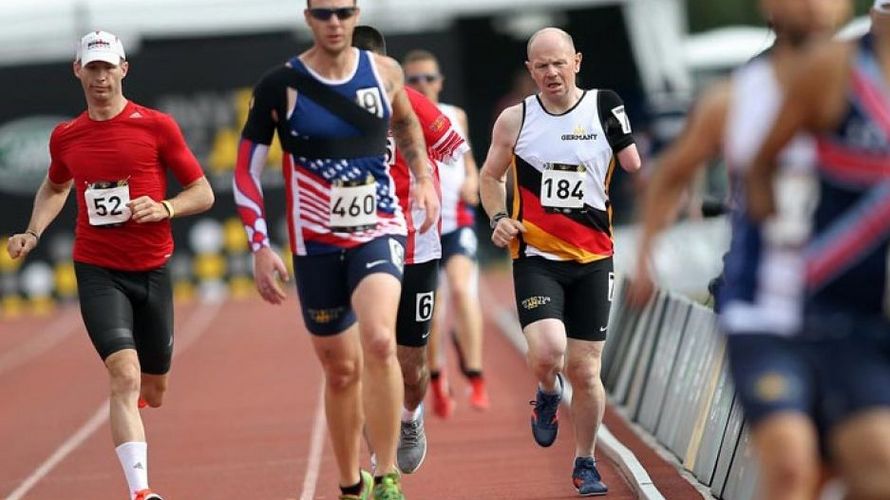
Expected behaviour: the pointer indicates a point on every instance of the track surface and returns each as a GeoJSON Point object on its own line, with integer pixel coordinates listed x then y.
{"type": "Point", "coordinates": [242, 417]}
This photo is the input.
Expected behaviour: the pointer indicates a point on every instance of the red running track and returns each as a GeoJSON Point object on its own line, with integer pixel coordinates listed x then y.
{"type": "Point", "coordinates": [241, 419]}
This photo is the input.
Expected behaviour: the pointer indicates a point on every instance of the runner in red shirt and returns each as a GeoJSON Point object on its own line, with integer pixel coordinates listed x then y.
{"type": "Point", "coordinates": [116, 154]}
{"type": "Point", "coordinates": [422, 253]}
{"type": "Point", "coordinates": [460, 193]}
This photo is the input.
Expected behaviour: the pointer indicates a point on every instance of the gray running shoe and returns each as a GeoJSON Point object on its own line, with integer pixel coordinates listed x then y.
{"type": "Point", "coordinates": [412, 445]}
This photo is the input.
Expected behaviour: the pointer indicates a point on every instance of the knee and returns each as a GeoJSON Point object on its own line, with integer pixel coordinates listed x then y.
{"type": "Point", "coordinates": [341, 374]}
{"type": "Point", "coordinates": [874, 487]}
{"type": "Point", "coordinates": [872, 481]}
{"type": "Point", "coordinates": [379, 344]}
{"type": "Point", "coordinates": [546, 360]}
{"type": "Point", "coordinates": [460, 288]}
{"type": "Point", "coordinates": [583, 375]}
{"type": "Point", "coordinates": [786, 477]}
{"type": "Point", "coordinates": [125, 378]}
{"type": "Point", "coordinates": [788, 471]}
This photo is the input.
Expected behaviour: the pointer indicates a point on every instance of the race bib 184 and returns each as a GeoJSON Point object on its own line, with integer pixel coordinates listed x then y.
{"type": "Point", "coordinates": [106, 203]}
{"type": "Point", "coordinates": [353, 205]}
{"type": "Point", "coordinates": [562, 187]}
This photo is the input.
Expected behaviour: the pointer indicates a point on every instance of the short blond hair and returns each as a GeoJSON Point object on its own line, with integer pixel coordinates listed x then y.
{"type": "Point", "coordinates": [417, 55]}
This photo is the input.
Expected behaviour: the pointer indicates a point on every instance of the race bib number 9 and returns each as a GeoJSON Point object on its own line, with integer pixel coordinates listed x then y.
{"type": "Point", "coordinates": [353, 205]}
{"type": "Point", "coordinates": [370, 99]}
{"type": "Point", "coordinates": [562, 187]}
{"type": "Point", "coordinates": [107, 203]}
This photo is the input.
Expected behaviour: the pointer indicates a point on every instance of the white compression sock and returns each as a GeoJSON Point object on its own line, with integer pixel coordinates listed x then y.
{"type": "Point", "coordinates": [411, 416]}
{"type": "Point", "coordinates": [133, 457]}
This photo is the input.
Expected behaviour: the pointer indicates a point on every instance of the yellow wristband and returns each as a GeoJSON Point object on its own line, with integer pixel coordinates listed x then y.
{"type": "Point", "coordinates": [169, 207]}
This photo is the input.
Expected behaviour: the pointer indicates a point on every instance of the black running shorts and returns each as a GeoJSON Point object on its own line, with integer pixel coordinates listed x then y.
{"type": "Point", "coordinates": [579, 295]}
{"type": "Point", "coordinates": [128, 310]}
{"type": "Point", "coordinates": [461, 241]}
{"type": "Point", "coordinates": [416, 305]}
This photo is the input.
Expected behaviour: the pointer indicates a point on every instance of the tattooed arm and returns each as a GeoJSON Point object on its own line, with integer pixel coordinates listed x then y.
{"type": "Point", "coordinates": [409, 139]}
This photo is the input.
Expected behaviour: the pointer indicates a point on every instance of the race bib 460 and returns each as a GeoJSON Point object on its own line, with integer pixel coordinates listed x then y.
{"type": "Point", "coordinates": [353, 205]}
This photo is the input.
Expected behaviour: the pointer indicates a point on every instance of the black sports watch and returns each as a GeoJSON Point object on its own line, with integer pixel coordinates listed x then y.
{"type": "Point", "coordinates": [498, 216]}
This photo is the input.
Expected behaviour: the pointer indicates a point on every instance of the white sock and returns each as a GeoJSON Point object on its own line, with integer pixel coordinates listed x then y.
{"type": "Point", "coordinates": [411, 416]}
{"type": "Point", "coordinates": [558, 389]}
{"type": "Point", "coordinates": [133, 457]}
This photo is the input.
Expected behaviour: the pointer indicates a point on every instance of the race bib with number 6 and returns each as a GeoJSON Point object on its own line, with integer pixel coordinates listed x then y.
{"type": "Point", "coordinates": [107, 203]}
{"type": "Point", "coordinates": [353, 205]}
{"type": "Point", "coordinates": [562, 187]}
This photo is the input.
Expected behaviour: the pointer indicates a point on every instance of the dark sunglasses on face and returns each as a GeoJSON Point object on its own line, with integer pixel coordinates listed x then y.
{"type": "Point", "coordinates": [323, 14]}
{"type": "Point", "coordinates": [428, 78]}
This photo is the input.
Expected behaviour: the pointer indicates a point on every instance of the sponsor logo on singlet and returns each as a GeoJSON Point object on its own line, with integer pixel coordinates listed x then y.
{"type": "Point", "coordinates": [579, 134]}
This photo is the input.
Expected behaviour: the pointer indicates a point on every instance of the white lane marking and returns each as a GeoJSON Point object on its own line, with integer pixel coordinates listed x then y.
{"type": "Point", "coordinates": [195, 326]}
{"type": "Point", "coordinates": [40, 343]}
{"type": "Point", "coordinates": [76, 439]}
{"type": "Point", "coordinates": [316, 446]}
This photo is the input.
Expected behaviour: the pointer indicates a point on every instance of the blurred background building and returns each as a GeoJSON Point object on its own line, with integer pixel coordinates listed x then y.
{"type": "Point", "coordinates": [198, 59]}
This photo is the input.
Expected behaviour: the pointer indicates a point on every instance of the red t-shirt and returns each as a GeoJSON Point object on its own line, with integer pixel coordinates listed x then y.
{"type": "Point", "coordinates": [444, 144]}
{"type": "Point", "coordinates": [137, 146]}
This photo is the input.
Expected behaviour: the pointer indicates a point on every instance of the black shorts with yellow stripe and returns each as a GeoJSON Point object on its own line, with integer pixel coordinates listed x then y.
{"type": "Point", "coordinates": [579, 295]}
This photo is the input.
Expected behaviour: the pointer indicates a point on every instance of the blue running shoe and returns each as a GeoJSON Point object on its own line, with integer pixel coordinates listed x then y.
{"type": "Point", "coordinates": [545, 415]}
{"type": "Point", "coordinates": [587, 479]}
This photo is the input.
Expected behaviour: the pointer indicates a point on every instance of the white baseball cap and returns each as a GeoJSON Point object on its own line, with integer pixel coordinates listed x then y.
{"type": "Point", "coordinates": [882, 6]}
{"type": "Point", "coordinates": [100, 46]}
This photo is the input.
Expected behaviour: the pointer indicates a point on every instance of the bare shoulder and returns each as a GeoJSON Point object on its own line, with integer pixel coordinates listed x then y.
{"type": "Point", "coordinates": [459, 111]}
{"type": "Point", "coordinates": [819, 83]}
{"type": "Point", "coordinates": [715, 101]}
{"type": "Point", "coordinates": [461, 116]}
{"type": "Point", "coordinates": [390, 71]}
{"type": "Point", "coordinates": [706, 118]}
{"type": "Point", "coordinates": [824, 62]}
{"type": "Point", "coordinates": [702, 133]}
{"type": "Point", "coordinates": [508, 123]}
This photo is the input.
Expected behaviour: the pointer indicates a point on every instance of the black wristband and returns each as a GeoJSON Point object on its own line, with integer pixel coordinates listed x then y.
{"type": "Point", "coordinates": [498, 216]}
{"type": "Point", "coordinates": [33, 233]}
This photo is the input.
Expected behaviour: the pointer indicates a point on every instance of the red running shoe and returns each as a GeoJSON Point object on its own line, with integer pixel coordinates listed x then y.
{"type": "Point", "coordinates": [479, 394]}
{"type": "Point", "coordinates": [443, 403]}
{"type": "Point", "coordinates": [147, 494]}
